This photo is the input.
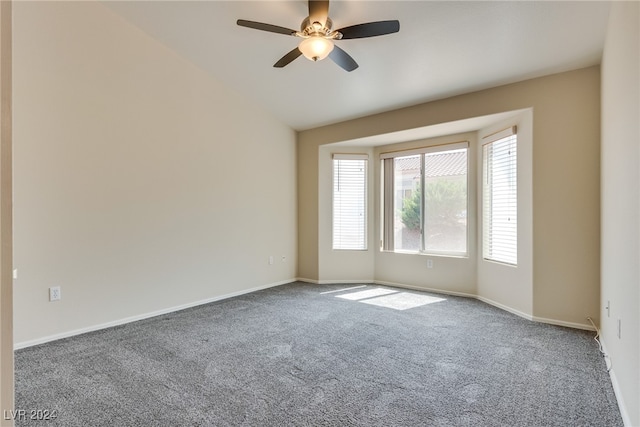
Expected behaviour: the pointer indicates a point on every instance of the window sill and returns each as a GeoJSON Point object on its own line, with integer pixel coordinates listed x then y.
{"type": "Point", "coordinates": [428, 254]}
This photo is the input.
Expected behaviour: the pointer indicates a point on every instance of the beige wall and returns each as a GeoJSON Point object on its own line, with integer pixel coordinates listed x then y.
{"type": "Point", "coordinates": [341, 265]}
{"type": "Point", "coordinates": [621, 203]}
{"type": "Point", "coordinates": [566, 154]}
{"type": "Point", "coordinates": [508, 286]}
{"type": "Point", "coordinates": [6, 251]}
{"type": "Point", "coordinates": [308, 209]}
{"type": "Point", "coordinates": [139, 185]}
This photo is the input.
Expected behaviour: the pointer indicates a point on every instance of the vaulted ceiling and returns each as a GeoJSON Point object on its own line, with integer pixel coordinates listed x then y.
{"type": "Point", "coordinates": [444, 48]}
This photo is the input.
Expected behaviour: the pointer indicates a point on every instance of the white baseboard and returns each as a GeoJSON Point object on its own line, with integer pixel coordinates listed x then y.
{"type": "Point", "coordinates": [527, 316]}
{"type": "Point", "coordinates": [30, 343]}
{"type": "Point", "coordinates": [346, 282]}
{"type": "Point", "coordinates": [383, 283]}
{"type": "Point", "coordinates": [584, 326]}
{"type": "Point", "coordinates": [616, 390]}
{"type": "Point", "coordinates": [335, 282]}
{"type": "Point", "coordinates": [519, 313]}
{"type": "Point", "coordinates": [420, 288]}
{"type": "Point", "coordinates": [504, 307]}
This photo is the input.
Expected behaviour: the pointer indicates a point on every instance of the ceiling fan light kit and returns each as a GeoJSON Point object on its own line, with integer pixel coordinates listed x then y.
{"type": "Point", "coordinates": [318, 38]}
{"type": "Point", "coordinates": [315, 48]}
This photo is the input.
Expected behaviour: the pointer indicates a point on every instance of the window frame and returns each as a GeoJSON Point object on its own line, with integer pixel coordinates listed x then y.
{"type": "Point", "coordinates": [365, 228]}
{"type": "Point", "coordinates": [387, 198]}
{"type": "Point", "coordinates": [488, 141]}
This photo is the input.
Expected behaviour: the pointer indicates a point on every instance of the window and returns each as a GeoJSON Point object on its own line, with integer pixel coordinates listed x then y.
{"type": "Point", "coordinates": [350, 201]}
{"type": "Point", "coordinates": [425, 200]}
{"type": "Point", "coordinates": [500, 198]}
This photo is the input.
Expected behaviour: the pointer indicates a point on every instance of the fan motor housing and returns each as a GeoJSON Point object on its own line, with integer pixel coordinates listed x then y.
{"type": "Point", "coordinates": [307, 28]}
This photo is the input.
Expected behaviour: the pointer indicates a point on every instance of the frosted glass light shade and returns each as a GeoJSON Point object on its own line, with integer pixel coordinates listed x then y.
{"type": "Point", "coordinates": [316, 48]}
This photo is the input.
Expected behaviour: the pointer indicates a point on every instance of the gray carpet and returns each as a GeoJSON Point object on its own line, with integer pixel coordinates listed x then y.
{"type": "Point", "coordinates": [312, 355]}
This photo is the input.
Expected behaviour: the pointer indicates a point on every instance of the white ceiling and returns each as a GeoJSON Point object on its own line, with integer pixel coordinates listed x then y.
{"type": "Point", "coordinates": [444, 48]}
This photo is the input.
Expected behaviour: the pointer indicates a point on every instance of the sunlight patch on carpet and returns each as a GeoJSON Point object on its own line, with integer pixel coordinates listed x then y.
{"type": "Point", "coordinates": [342, 290]}
{"type": "Point", "coordinates": [390, 298]}
{"type": "Point", "coordinates": [402, 300]}
{"type": "Point", "coordinates": [370, 293]}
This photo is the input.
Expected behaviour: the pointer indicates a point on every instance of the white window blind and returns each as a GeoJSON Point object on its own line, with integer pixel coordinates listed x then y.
{"type": "Point", "coordinates": [350, 201]}
{"type": "Point", "coordinates": [500, 198]}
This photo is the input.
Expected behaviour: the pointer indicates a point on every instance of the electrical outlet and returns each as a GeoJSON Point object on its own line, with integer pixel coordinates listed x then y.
{"type": "Point", "coordinates": [284, 258]}
{"type": "Point", "coordinates": [271, 260]}
{"type": "Point", "coordinates": [608, 307]}
{"type": "Point", "coordinates": [15, 273]}
{"type": "Point", "coordinates": [54, 293]}
{"type": "Point", "coordinates": [429, 263]}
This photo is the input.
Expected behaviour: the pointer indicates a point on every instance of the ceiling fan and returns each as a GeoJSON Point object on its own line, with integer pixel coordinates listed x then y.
{"type": "Point", "coordinates": [318, 37]}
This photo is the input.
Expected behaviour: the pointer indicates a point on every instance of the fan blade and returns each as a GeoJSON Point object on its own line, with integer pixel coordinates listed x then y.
{"type": "Point", "coordinates": [318, 11]}
{"type": "Point", "coordinates": [289, 57]}
{"type": "Point", "coordinates": [265, 27]}
{"type": "Point", "coordinates": [343, 59]}
{"type": "Point", "coordinates": [370, 29]}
